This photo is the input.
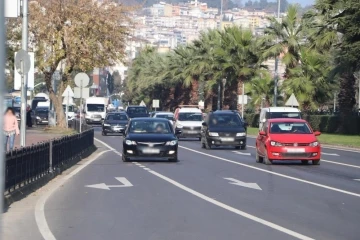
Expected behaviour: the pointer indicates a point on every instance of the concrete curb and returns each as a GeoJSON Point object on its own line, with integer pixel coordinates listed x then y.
{"type": "Point", "coordinates": [25, 190]}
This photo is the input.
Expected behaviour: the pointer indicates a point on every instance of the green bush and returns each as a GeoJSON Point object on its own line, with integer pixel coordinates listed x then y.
{"type": "Point", "coordinates": [252, 119]}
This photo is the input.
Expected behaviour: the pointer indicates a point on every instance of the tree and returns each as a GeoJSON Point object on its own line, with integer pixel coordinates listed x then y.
{"type": "Point", "coordinates": [77, 35]}
{"type": "Point", "coordinates": [118, 84]}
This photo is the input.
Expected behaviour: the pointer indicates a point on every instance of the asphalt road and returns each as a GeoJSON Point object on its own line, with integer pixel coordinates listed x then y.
{"type": "Point", "coordinates": [196, 198]}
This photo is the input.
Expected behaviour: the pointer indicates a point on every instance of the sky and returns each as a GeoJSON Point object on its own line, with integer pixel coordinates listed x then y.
{"type": "Point", "coordinates": [302, 2]}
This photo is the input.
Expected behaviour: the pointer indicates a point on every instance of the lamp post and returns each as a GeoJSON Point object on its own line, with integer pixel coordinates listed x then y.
{"type": "Point", "coordinates": [277, 62]}
{"type": "Point", "coordinates": [219, 84]}
{"type": "Point", "coordinates": [223, 92]}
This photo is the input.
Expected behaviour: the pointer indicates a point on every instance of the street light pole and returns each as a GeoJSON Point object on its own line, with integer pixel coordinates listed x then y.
{"type": "Point", "coordinates": [24, 44]}
{"type": "Point", "coordinates": [219, 84]}
{"type": "Point", "coordinates": [277, 62]}
{"type": "Point", "coordinates": [223, 92]}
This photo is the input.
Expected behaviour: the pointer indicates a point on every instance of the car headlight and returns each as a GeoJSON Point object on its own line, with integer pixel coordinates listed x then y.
{"type": "Point", "coordinates": [171, 143]}
{"type": "Point", "coordinates": [275, 144]}
{"type": "Point", "coordinates": [38, 118]}
{"type": "Point", "coordinates": [314, 144]}
{"type": "Point", "coordinates": [129, 142]}
{"type": "Point", "coordinates": [241, 134]}
{"type": "Point", "coordinates": [106, 125]}
{"type": "Point", "coordinates": [213, 134]}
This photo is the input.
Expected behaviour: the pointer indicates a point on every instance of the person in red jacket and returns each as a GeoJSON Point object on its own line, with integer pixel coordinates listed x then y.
{"type": "Point", "coordinates": [10, 128]}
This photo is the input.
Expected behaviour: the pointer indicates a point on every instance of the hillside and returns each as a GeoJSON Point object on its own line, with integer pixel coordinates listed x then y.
{"type": "Point", "coordinates": [211, 3]}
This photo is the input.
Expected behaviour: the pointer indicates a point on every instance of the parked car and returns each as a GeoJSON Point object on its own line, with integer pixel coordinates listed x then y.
{"type": "Point", "coordinates": [223, 128]}
{"type": "Point", "coordinates": [287, 139]}
{"type": "Point", "coordinates": [150, 138]}
{"type": "Point", "coordinates": [115, 122]}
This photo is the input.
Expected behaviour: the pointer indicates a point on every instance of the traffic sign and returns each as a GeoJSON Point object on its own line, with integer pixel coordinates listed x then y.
{"type": "Point", "coordinates": [22, 62]}
{"type": "Point", "coordinates": [82, 80]}
{"type": "Point", "coordinates": [156, 103]}
{"type": "Point", "coordinates": [142, 104]}
{"type": "Point", "coordinates": [240, 99]}
{"type": "Point", "coordinates": [68, 92]}
{"type": "Point", "coordinates": [292, 102]}
{"type": "Point", "coordinates": [81, 92]}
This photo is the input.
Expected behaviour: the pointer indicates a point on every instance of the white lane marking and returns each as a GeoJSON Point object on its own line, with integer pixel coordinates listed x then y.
{"type": "Point", "coordinates": [243, 184]}
{"type": "Point", "coordinates": [250, 146]}
{"type": "Point", "coordinates": [330, 154]}
{"type": "Point", "coordinates": [357, 179]}
{"type": "Point", "coordinates": [275, 173]}
{"type": "Point", "coordinates": [123, 180]}
{"type": "Point", "coordinates": [232, 209]}
{"type": "Point", "coordinates": [40, 205]}
{"type": "Point", "coordinates": [142, 166]}
{"type": "Point", "coordinates": [147, 169]}
{"type": "Point", "coordinates": [338, 163]}
{"type": "Point", "coordinates": [242, 153]}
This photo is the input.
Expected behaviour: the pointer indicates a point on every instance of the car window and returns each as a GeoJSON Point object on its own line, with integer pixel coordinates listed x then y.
{"type": "Point", "coordinates": [284, 115]}
{"type": "Point", "coordinates": [225, 120]}
{"type": "Point", "coordinates": [137, 110]}
{"type": "Point", "coordinates": [290, 127]}
{"type": "Point", "coordinates": [167, 116]}
{"type": "Point", "coordinates": [190, 117]}
{"type": "Point", "coordinates": [117, 117]}
{"type": "Point", "coordinates": [147, 126]}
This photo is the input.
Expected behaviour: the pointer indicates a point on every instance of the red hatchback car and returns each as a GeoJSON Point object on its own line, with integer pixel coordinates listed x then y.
{"type": "Point", "coordinates": [287, 139]}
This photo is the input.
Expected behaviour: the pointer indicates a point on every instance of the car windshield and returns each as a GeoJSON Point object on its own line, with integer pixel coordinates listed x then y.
{"type": "Point", "coordinates": [290, 128]}
{"type": "Point", "coordinates": [285, 115]}
{"type": "Point", "coordinates": [149, 126]}
{"type": "Point", "coordinates": [167, 116]}
{"type": "Point", "coordinates": [116, 117]}
{"type": "Point", "coordinates": [70, 108]}
{"type": "Point", "coordinates": [17, 109]}
{"type": "Point", "coordinates": [226, 120]}
{"type": "Point", "coordinates": [95, 107]}
{"type": "Point", "coordinates": [42, 110]}
{"type": "Point", "coordinates": [190, 117]}
{"type": "Point", "coordinates": [137, 110]}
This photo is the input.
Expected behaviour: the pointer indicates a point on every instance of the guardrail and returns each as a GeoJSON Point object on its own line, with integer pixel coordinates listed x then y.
{"type": "Point", "coordinates": [28, 164]}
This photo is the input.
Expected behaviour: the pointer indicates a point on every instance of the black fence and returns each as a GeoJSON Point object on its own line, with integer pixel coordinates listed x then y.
{"type": "Point", "coordinates": [75, 124]}
{"type": "Point", "coordinates": [28, 164]}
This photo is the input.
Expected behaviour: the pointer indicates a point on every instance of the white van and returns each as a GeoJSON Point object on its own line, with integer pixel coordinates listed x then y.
{"type": "Point", "coordinates": [278, 112]}
{"type": "Point", "coordinates": [189, 120]}
{"type": "Point", "coordinates": [95, 109]}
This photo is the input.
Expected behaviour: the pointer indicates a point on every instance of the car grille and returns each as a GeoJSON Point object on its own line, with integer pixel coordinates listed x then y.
{"type": "Point", "coordinates": [293, 144]}
{"type": "Point", "coordinates": [192, 128]}
{"type": "Point", "coordinates": [150, 144]}
{"type": "Point", "coordinates": [296, 155]}
{"type": "Point", "coordinates": [227, 134]}
{"type": "Point", "coordinates": [96, 116]}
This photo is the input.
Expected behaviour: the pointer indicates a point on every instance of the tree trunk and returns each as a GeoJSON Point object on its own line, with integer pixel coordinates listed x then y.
{"type": "Point", "coordinates": [240, 92]}
{"type": "Point", "coordinates": [194, 95]}
{"type": "Point", "coordinates": [230, 98]}
{"type": "Point", "coordinates": [209, 100]}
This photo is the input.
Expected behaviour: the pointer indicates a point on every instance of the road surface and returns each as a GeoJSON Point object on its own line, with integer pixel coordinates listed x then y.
{"type": "Point", "coordinates": [208, 195]}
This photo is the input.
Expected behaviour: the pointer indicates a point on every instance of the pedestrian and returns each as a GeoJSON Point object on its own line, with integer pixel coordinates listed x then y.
{"type": "Point", "coordinates": [28, 116]}
{"type": "Point", "coordinates": [10, 128]}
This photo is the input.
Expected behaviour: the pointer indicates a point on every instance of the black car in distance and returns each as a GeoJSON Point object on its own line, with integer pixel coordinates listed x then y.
{"type": "Point", "coordinates": [114, 122]}
{"type": "Point", "coordinates": [223, 128]}
{"type": "Point", "coordinates": [150, 138]}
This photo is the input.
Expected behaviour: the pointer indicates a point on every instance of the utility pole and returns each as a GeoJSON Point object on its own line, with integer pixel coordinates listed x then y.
{"type": "Point", "coordinates": [220, 25]}
{"type": "Point", "coordinates": [24, 44]}
{"type": "Point", "coordinates": [277, 63]}
{"type": "Point", "coordinates": [2, 90]}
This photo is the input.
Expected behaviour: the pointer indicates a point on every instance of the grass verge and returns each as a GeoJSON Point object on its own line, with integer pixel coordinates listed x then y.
{"type": "Point", "coordinates": [325, 138]}
{"type": "Point", "coordinates": [57, 130]}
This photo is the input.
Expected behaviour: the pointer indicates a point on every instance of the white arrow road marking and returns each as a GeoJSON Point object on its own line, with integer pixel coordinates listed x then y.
{"type": "Point", "coordinates": [103, 186]}
{"type": "Point", "coordinates": [330, 154]}
{"type": "Point", "coordinates": [243, 184]}
{"type": "Point", "coordinates": [242, 153]}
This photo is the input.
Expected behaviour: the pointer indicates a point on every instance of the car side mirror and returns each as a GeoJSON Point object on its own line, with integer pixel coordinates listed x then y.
{"type": "Point", "coordinates": [262, 133]}
{"type": "Point", "coordinates": [204, 124]}
{"type": "Point", "coordinates": [317, 133]}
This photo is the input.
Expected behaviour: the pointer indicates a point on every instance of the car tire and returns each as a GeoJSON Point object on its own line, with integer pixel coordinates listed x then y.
{"type": "Point", "coordinates": [207, 144]}
{"type": "Point", "coordinates": [267, 161]}
{"type": "Point", "coordinates": [304, 162]}
{"type": "Point", "coordinates": [258, 158]}
{"type": "Point", "coordinates": [316, 162]}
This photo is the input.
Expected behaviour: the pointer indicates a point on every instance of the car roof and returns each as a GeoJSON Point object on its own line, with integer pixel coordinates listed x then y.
{"type": "Point", "coordinates": [281, 109]}
{"type": "Point", "coordinates": [150, 119]}
{"type": "Point", "coordinates": [189, 110]}
{"type": "Point", "coordinates": [225, 112]}
{"type": "Point", "coordinates": [164, 113]}
{"type": "Point", "coordinates": [111, 113]}
{"type": "Point", "coordinates": [287, 120]}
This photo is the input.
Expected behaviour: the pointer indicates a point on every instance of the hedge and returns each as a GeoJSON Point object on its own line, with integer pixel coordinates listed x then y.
{"type": "Point", "coordinates": [324, 123]}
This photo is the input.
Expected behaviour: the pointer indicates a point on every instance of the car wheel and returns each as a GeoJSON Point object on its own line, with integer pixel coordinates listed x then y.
{"type": "Point", "coordinates": [207, 144]}
{"type": "Point", "coordinates": [237, 147]}
{"type": "Point", "coordinates": [304, 162]}
{"type": "Point", "coordinates": [316, 162]}
{"type": "Point", "coordinates": [267, 161]}
{"type": "Point", "coordinates": [258, 158]}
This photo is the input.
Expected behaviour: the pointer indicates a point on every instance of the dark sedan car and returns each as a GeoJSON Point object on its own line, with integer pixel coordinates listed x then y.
{"type": "Point", "coordinates": [115, 122]}
{"type": "Point", "coordinates": [150, 138]}
{"type": "Point", "coordinates": [223, 128]}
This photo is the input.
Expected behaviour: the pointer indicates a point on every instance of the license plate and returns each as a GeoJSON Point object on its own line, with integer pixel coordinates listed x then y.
{"type": "Point", "coordinates": [295, 150]}
{"type": "Point", "coordinates": [227, 139]}
{"type": "Point", "coordinates": [191, 132]}
{"type": "Point", "coordinates": [151, 150]}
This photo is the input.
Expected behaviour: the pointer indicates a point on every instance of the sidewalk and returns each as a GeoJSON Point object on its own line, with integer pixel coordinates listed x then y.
{"type": "Point", "coordinates": [34, 136]}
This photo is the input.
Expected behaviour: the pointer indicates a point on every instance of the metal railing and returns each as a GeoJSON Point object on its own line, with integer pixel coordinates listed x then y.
{"type": "Point", "coordinates": [28, 164]}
